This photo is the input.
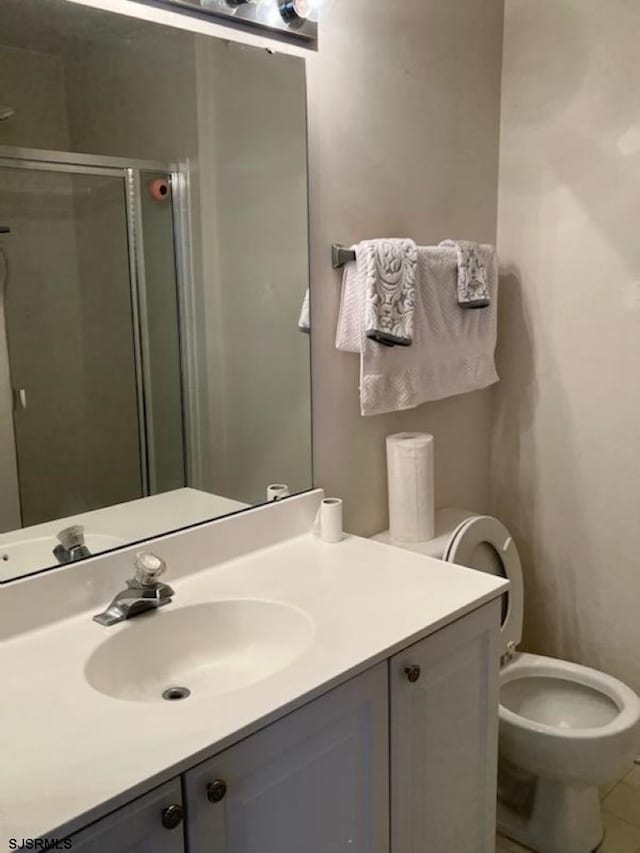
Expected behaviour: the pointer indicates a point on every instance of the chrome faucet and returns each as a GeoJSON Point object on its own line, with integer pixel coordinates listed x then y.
{"type": "Point", "coordinates": [71, 547]}
{"type": "Point", "coordinates": [143, 592]}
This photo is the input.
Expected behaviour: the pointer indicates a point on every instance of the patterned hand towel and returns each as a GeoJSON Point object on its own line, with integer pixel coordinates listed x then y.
{"type": "Point", "coordinates": [473, 285]}
{"type": "Point", "coordinates": [387, 275]}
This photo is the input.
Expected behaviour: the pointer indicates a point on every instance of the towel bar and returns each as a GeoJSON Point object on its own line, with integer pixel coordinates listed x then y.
{"type": "Point", "coordinates": [340, 255]}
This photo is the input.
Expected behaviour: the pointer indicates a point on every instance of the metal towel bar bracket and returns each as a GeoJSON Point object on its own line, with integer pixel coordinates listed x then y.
{"type": "Point", "coordinates": [4, 229]}
{"type": "Point", "coordinates": [341, 255]}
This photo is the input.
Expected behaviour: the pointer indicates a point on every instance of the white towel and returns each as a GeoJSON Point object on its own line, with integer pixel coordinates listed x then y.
{"type": "Point", "coordinates": [452, 350]}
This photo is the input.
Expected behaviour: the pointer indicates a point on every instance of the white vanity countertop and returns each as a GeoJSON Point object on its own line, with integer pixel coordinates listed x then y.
{"type": "Point", "coordinates": [70, 754]}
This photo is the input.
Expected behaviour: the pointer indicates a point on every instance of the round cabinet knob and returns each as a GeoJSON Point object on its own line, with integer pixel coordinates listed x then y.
{"type": "Point", "coordinates": [172, 816]}
{"type": "Point", "coordinates": [216, 791]}
{"type": "Point", "coordinates": [412, 672]}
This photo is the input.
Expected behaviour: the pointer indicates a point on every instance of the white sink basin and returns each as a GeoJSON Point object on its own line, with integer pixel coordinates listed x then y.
{"type": "Point", "coordinates": [208, 649]}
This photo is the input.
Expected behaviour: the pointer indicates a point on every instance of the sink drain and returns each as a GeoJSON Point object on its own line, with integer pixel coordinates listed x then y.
{"type": "Point", "coordinates": [174, 694]}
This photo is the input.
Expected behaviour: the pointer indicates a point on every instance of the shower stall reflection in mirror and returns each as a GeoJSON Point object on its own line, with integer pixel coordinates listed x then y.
{"type": "Point", "coordinates": [98, 301]}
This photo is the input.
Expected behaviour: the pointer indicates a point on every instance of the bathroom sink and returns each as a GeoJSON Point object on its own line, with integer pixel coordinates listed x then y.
{"type": "Point", "coordinates": [203, 649]}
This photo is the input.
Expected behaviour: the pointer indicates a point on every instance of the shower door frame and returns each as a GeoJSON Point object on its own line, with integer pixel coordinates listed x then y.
{"type": "Point", "coordinates": [129, 170]}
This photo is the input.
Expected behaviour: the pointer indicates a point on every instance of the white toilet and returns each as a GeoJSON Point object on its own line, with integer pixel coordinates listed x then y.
{"type": "Point", "coordinates": [565, 729]}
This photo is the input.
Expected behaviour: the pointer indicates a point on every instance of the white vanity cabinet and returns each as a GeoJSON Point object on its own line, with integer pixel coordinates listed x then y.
{"type": "Point", "coordinates": [316, 780]}
{"type": "Point", "coordinates": [444, 729]}
{"type": "Point", "coordinates": [399, 759]}
{"type": "Point", "coordinates": [151, 824]}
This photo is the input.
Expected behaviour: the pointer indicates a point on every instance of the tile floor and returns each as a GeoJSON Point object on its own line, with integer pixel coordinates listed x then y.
{"type": "Point", "coordinates": [621, 807]}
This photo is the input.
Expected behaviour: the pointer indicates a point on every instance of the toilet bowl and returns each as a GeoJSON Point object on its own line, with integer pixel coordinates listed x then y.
{"type": "Point", "coordinates": [564, 729]}
{"type": "Point", "coordinates": [569, 729]}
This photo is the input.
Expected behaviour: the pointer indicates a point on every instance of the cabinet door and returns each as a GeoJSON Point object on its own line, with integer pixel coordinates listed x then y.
{"type": "Point", "coordinates": [315, 781]}
{"type": "Point", "coordinates": [444, 727]}
{"type": "Point", "coordinates": [139, 826]}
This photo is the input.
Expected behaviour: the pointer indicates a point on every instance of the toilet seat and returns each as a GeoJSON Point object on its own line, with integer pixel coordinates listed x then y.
{"type": "Point", "coordinates": [484, 543]}
{"type": "Point", "coordinates": [602, 738]}
{"type": "Point", "coordinates": [585, 681]}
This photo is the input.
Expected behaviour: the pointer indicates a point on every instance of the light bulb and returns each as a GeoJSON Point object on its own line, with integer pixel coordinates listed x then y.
{"type": "Point", "coordinates": [297, 11]}
{"type": "Point", "coordinates": [302, 8]}
{"type": "Point", "coordinates": [268, 12]}
{"type": "Point", "coordinates": [313, 9]}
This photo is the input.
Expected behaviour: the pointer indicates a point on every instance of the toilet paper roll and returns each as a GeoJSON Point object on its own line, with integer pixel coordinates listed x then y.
{"type": "Point", "coordinates": [331, 520]}
{"type": "Point", "coordinates": [277, 491]}
{"type": "Point", "coordinates": [410, 459]}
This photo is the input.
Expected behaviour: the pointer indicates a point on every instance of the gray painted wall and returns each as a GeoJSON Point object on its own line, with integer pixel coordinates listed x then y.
{"type": "Point", "coordinates": [403, 111]}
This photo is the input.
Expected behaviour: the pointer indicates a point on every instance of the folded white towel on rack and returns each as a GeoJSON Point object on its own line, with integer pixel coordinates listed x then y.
{"type": "Point", "coordinates": [452, 350]}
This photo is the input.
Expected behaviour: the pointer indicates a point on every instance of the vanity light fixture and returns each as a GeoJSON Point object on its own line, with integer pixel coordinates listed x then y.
{"type": "Point", "coordinates": [290, 20]}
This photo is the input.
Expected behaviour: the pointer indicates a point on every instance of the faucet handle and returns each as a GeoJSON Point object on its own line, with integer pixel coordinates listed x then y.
{"type": "Point", "coordinates": [71, 537]}
{"type": "Point", "coordinates": [149, 568]}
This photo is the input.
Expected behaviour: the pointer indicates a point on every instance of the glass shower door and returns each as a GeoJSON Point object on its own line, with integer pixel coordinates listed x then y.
{"type": "Point", "coordinates": [69, 318]}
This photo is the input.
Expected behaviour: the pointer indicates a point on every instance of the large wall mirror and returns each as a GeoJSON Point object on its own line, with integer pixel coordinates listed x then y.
{"type": "Point", "coordinates": [154, 367]}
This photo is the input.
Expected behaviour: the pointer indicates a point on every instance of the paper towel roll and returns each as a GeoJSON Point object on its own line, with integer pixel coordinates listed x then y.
{"type": "Point", "coordinates": [410, 486]}
{"type": "Point", "coordinates": [277, 491]}
{"type": "Point", "coordinates": [331, 520]}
